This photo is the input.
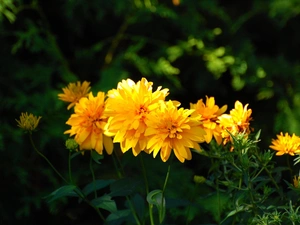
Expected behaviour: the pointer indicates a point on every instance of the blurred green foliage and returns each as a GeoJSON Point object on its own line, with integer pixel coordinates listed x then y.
{"type": "Point", "coordinates": [232, 50]}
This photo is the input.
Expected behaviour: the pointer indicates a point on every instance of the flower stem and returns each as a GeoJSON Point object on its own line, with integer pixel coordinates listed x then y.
{"type": "Point", "coordinates": [150, 206]}
{"type": "Point", "coordinates": [47, 160]}
{"type": "Point", "coordinates": [166, 179]}
{"type": "Point", "coordinates": [77, 190]}
{"type": "Point", "coordinates": [163, 192]}
{"type": "Point", "coordinates": [120, 175]}
{"type": "Point", "coordinates": [93, 175]}
{"type": "Point", "coordinates": [69, 168]}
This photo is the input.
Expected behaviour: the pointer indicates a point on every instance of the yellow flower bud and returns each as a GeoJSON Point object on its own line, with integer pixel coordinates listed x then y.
{"type": "Point", "coordinates": [28, 122]}
{"type": "Point", "coordinates": [296, 181]}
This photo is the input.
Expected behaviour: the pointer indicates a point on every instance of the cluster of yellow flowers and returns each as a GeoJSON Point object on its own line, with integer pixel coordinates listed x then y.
{"type": "Point", "coordinates": [141, 119]}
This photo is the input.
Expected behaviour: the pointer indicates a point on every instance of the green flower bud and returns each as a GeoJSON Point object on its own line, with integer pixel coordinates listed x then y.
{"type": "Point", "coordinates": [199, 179]}
{"type": "Point", "coordinates": [71, 145]}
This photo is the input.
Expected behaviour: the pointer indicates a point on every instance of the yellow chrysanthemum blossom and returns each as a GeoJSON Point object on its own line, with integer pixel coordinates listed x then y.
{"type": "Point", "coordinates": [88, 122]}
{"type": "Point", "coordinates": [170, 128]}
{"type": "Point", "coordinates": [127, 108]}
{"type": "Point", "coordinates": [238, 121]}
{"type": "Point", "coordinates": [286, 144]}
{"type": "Point", "coordinates": [209, 113]}
{"type": "Point", "coordinates": [74, 92]}
{"type": "Point", "coordinates": [28, 122]}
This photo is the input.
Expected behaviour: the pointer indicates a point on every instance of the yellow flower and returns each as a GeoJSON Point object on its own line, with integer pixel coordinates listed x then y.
{"type": "Point", "coordinates": [74, 92]}
{"type": "Point", "coordinates": [286, 144]}
{"type": "Point", "coordinates": [88, 122]}
{"type": "Point", "coordinates": [127, 107]}
{"type": "Point", "coordinates": [209, 113]}
{"type": "Point", "coordinates": [238, 121]}
{"type": "Point", "coordinates": [28, 122]}
{"type": "Point", "coordinates": [170, 128]}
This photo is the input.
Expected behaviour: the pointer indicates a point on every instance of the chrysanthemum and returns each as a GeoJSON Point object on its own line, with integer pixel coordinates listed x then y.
{"type": "Point", "coordinates": [238, 121]}
{"type": "Point", "coordinates": [88, 122]}
{"type": "Point", "coordinates": [286, 144]}
{"type": "Point", "coordinates": [128, 106]}
{"type": "Point", "coordinates": [170, 128]}
{"type": "Point", "coordinates": [209, 113]}
{"type": "Point", "coordinates": [74, 92]}
{"type": "Point", "coordinates": [28, 122]}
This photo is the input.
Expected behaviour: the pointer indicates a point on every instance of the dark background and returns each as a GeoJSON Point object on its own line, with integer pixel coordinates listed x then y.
{"type": "Point", "coordinates": [232, 50]}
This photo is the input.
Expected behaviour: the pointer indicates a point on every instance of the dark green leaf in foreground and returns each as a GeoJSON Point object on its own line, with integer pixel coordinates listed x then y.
{"type": "Point", "coordinates": [96, 185]}
{"type": "Point", "coordinates": [63, 191]}
{"type": "Point", "coordinates": [123, 187]}
{"type": "Point", "coordinates": [96, 157]}
{"type": "Point", "coordinates": [105, 202]}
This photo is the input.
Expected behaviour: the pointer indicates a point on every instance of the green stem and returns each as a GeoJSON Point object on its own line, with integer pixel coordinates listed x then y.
{"type": "Point", "coordinates": [270, 175]}
{"type": "Point", "coordinates": [120, 174]}
{"type": "Point", "coordinates": [150, 206]}
{"type": "Point", "coordinates": [69, 168]}
{"type": "Point", "coordinates": [259, 172]}
{"type": "Point", "coordinates": [163, 191]}
{"type": "Point", "coordinates": [133, 211]}
{"type": "Point", "coordinates": [166, 179]}
{"type": "Point", "coordinates": [289, 166]}
{"type": "Point", "coordinates": [93, 175]}
{"type": "Point", "coordinates": [47, 160]}
{"type": "Point", "coordinates": [219, 205]}
{"type": "Point", "coordinates": [144, 173]}
{"type": "Point", "coordinates": [77, 190]}
{"type": "Point", "coordinates": [116, 162]}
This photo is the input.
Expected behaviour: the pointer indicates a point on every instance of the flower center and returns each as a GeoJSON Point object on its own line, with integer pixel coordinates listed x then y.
{"type": "Point", "coordinates": [142, 111]}
{"type": "Point", "coordinates": [174, 130]}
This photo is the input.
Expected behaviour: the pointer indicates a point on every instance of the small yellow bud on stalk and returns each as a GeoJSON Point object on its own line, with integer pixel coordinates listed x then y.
{"type": "Point", "coordinates": [28, 122]}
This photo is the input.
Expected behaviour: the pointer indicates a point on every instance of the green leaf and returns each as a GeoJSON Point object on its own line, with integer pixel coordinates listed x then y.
{"type": "Point", "coordinates": [96, 156]}
{"type": "Point", "coordinates": [123, 187]}
{"type": "Point", "coordinates": [237, 210]}
{"type": "Point", "coordinates": [215, 203]}
{"type": "Point", "coordinates": [156, 198]}
{"type": "Point", "coordinates": [118, 217]}
{"type": "Point", "coordinates": [105, 202]}
{"type": "Point", "coordinates": [63, 191]}
{"type": "Point", "coordinates": [76, 154]}
{"type": "Point", "coordinates": [257, 135]}
{"type": "Point", "coordinates": [98, 184]}
{"type": "Point", "coordinates": [139, 205]}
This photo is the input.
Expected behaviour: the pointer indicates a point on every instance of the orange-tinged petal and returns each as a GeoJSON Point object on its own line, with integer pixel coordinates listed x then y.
{"type": "Point", "coordinates": [88, 123]}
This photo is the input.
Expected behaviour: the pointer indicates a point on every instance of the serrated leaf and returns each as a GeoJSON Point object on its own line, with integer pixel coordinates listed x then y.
{"type": "Point", "coordinates": [105, 202]}
{"type": "Point", "coordinates": [63, 191]}
{"type": "Point", "coordinates": [97, 185]}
